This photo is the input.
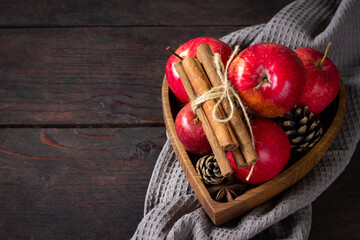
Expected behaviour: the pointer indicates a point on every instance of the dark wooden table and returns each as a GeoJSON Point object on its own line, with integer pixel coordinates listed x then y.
{"type": "Point", "coordinates": [81, 122]}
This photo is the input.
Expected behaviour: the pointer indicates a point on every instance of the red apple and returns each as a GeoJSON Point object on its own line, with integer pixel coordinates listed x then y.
{"type": "Point", "coordinates": [188, 49]}
{"type": "Point", "coordinates": [273, 149]}
{"type": "Point", "coordinates": [269, 78]}
{"type": "Point", "coordinates": [322, 80]}
{"type": "Point", "coordinates": [190, 132]}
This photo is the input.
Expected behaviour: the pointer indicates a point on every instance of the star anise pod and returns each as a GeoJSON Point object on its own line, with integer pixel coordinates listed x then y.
{"type": "Point", "coordinates": [226, 192]}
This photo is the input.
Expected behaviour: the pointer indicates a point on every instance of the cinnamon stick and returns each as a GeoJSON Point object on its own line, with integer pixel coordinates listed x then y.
{"type": "Point", "coordinates": [219, 154]}
{"type": "Point", "coordinates": [201, 85]}
{"type": "Point", "coordinates": [239, 158]}
{"type": "Point", "coordinates": [236, 153]}
{"type": "Point", "coordinates": [206, 57]}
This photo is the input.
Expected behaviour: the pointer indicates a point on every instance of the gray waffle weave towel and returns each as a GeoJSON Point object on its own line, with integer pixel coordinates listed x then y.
{"type": "Point", "coordinates": [172, 210]}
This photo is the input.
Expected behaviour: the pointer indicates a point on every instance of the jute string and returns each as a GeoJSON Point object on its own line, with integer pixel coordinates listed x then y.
{"type": "Point", "coordinates": [224, 91]}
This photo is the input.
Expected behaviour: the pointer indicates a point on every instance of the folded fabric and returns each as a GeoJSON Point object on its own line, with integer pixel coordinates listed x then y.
{"type": "Point", "coordinates": [172, 210]}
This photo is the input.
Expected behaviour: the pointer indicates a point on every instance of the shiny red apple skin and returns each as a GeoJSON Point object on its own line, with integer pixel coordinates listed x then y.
{"type": "Point", "coordinates": [322, 83]}
{"type": "Point", "coordinates": [188, 49]}
{"type": "Point", "coordinates": [284, 71]}
{"type": "Point", "coordinates": [190, 132]}
{"type": "Point", "coordinates": [273, 149]}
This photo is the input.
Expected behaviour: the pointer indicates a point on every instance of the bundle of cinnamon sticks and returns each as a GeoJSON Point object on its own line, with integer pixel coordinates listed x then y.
{"type": "Point", "coordinates": [198, 76]}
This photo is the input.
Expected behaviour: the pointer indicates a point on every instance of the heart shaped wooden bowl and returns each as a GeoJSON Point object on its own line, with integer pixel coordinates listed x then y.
{"type": "Point", "coordinates": [331, 119]}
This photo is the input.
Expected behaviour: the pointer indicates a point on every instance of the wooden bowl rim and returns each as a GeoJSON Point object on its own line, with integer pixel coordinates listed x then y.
{"type": "Point", "coordinates": [218, 212]}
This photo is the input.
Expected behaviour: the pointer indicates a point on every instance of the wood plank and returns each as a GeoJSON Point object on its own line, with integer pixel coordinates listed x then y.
{"type": "Point", "coordinates": [71, 183]}
{"type": "Point", "coordinates": [75, 183]}
{"type": "Point", "coordinates": [84, 76]}
{"type": "Point", "coordinates": [137, 13]}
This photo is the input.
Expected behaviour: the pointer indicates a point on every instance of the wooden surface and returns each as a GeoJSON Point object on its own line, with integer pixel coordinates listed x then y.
{"type": "Point", "coordinates": [81, 122]}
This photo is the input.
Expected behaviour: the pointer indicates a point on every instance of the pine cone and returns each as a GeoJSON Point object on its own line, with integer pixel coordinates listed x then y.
{"type": "Point", "coordinates": [208, 170]}
{"type": "Point", "coordinates": [302, 128]}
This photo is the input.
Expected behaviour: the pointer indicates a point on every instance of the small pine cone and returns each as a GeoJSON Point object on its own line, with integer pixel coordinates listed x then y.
{"type": "Point", "coordinates": [208, 170]}
{"type": "Point", "coordinates": [302, 128]}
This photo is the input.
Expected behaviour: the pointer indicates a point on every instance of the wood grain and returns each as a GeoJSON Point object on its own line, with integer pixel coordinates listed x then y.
{"type": "Point", "coordinates": [137, 13]}
{"type": "Point", "coordinates": [84, 76]}
{"type": "Point", "coordinates": [221, 213]}
{"type": "Point", "coordinates": [75, 183]}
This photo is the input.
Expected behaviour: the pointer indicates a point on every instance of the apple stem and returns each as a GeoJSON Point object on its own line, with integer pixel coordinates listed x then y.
{"type": "Point", "coordinates": [263, 81]}
{"type": "Point", "coordinates": [326, 51]}
{"type": "Point", "coordinates": [196, 120]}
{"type": "Point", "coordinates": [173, 52]}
